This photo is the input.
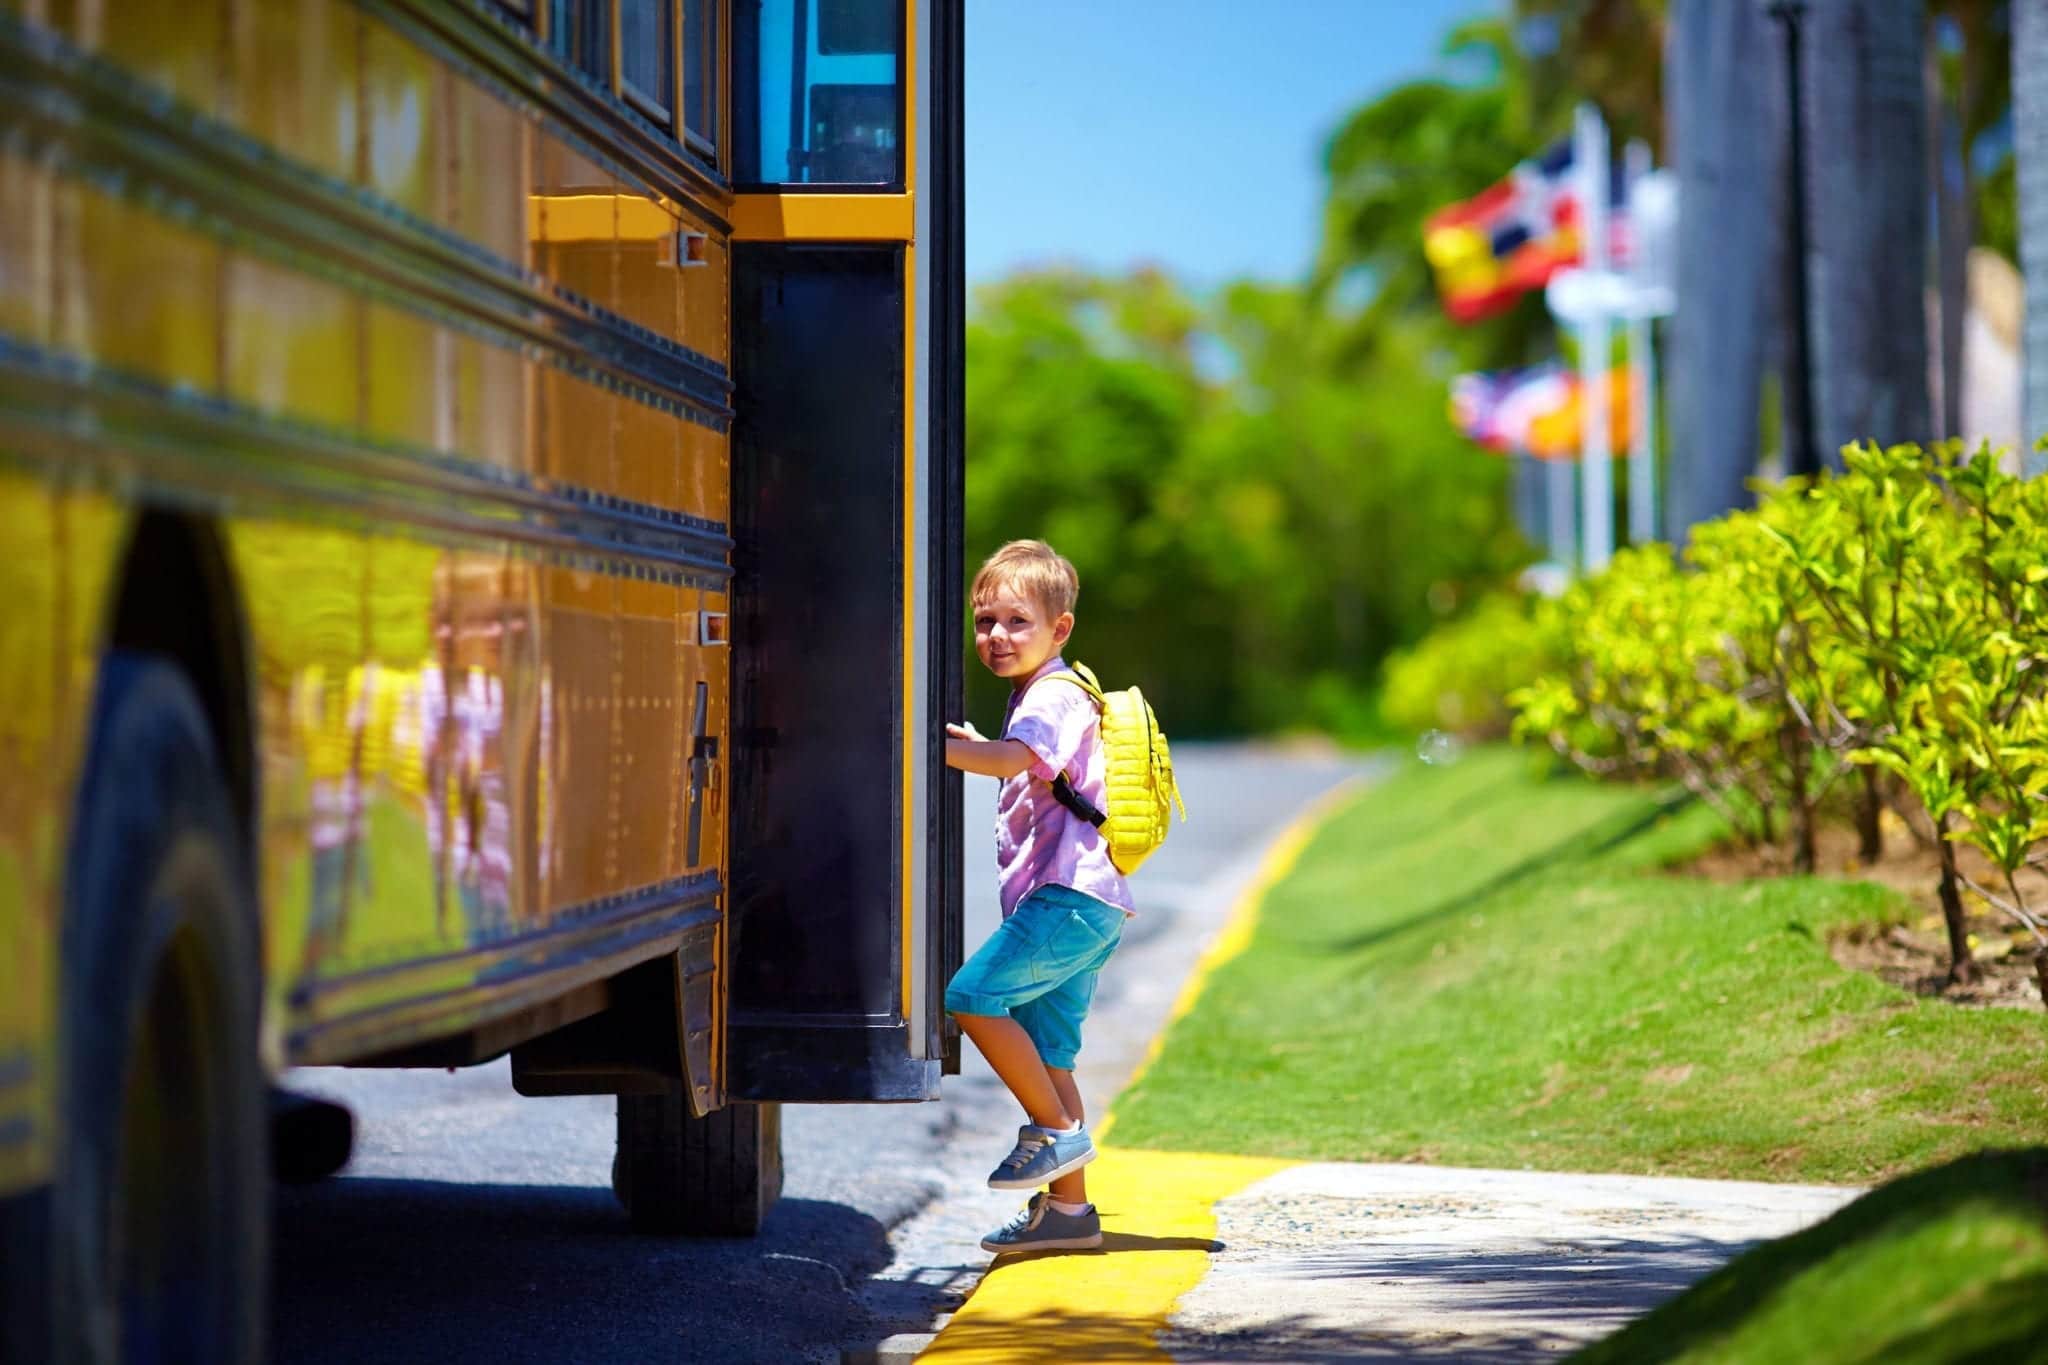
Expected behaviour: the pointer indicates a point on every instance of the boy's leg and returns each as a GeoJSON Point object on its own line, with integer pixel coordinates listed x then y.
{"type": "Point", "coordinates": [1071, 1188]}
{"type": "Point", "coordinates": [1021, 998]}
{"type": "Point", "coordinates": [1054, 1021]}
{"type": "Point", "coordinates": [1014, 1058]}
{"type": "Point", "coordinates": [985, 992]}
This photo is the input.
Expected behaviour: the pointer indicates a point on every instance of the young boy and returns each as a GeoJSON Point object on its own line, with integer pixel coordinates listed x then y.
{"type": "Point", "coordinates": [1022, 997]}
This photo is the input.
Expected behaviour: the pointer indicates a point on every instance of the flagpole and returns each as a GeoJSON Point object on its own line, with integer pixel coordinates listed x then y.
{"type": "Point", "coordinates": [1564, 534]}
{"type": "Point", "coordinates": [1589, 163]}
{"type": "Point", "coordinates": [1642, 344]}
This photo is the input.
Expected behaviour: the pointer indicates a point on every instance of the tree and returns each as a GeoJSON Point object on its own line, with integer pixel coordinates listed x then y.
{"type": "Point", "coordinates": [1727, 143]}
{"type": "Point", "coordinates": [1867, 206]}
{"type": "Point", "coordinates": [1969, 60]}
{"type": "Point", "coordinates": [1400, 158]}
{"type": "Point", "coordinates": [1257, 516]}
{"type": "Point", "coordinates": [2030, 154]}
{"type": "Point", "coordinates": [1581, 48]}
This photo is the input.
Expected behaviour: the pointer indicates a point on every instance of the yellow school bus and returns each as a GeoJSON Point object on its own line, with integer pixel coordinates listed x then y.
{"type": "Point", "coordinates": [480, 484]}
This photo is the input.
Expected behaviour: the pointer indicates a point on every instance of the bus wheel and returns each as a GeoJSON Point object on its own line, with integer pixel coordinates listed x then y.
{"type": "Point", "coordinates": [710, 1177]}
{"type": "Point", "coordinates": [159, 1216]}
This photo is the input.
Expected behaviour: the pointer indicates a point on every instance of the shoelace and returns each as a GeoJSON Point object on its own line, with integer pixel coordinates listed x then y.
{"type": "Point", "coordinates": [1025, 1150]}
{"type": "Point", "coordinates": [1025, 1219]}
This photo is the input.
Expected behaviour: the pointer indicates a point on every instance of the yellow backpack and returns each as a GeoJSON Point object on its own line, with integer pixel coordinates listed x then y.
{"type": "Point", "coordinates": [1137, 771]}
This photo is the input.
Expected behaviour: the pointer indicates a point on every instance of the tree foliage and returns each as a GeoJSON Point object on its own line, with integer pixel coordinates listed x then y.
{"type": "Point", "coordinates": [1256, 519]}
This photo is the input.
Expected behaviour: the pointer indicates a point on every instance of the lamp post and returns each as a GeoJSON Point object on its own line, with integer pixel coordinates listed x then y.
{"type": "Point", "coordinates": [1802, 455]}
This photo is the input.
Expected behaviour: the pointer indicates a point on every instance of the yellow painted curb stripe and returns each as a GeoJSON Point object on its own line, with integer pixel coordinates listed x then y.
{"type": "Point", "coordinates": [1158, 1226]}
{"type": "Point", "coordinates": [1158, 1208]}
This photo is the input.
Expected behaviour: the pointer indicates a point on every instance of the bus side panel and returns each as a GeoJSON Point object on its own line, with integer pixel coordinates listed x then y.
{"type": "Point", "coordinates": [466, 736]}
{"type": "Point", "coordinates": [32, 575]}
{"type": "Point", "coordinates": [31, 819]}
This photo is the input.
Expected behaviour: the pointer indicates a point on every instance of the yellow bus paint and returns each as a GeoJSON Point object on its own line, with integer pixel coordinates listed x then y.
{"type": "Point", "coordinates": [1158, 1208]}
{"type": "Point", "coordinates": [822, 218]}
{"type": "Point", "coordinates": [596, 218]}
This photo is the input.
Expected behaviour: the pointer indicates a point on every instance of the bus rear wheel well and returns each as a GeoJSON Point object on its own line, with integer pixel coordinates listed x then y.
{"type": "Point", "coordinates": [176, 598]}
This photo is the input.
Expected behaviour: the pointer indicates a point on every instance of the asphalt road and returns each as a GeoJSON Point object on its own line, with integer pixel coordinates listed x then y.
{"type": "Point", "coordinates": [476, 1225]}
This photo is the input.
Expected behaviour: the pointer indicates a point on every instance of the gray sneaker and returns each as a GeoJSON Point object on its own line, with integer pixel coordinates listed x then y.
{"type": "Point", "coordinates": [1040, 1157]}
{"type": "Point", "coordinates": [1041, 1227]}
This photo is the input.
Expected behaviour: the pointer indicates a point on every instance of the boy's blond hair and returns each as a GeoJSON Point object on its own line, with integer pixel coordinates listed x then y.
{"type": "Point", "coordinates": [1033, 569]}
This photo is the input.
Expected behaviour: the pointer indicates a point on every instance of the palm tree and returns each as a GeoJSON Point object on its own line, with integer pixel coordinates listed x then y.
{"type": "Point", "coordinates": [2030, 147]}
{"type": "Point", "coordinates": [1599, 49]}
{"type": "Point", "coordinates": [1866, 200]}
{"type": "Point", "coordinates": [1969, 94]}
{"type": "Point", "coordinates": [1727, 143]}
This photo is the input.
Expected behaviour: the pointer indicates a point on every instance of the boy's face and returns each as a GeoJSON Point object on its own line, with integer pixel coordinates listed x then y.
{"type": "Point", "coordinates": [1012, 634]}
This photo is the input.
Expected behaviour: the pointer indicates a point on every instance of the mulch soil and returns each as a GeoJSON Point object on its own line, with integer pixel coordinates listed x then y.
{"type": "Point", "coordinates": [1911, 953]}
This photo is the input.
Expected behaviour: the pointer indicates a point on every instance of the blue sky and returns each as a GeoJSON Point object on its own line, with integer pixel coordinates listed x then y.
{"type": "Point", "coordinates": [1184, 133]}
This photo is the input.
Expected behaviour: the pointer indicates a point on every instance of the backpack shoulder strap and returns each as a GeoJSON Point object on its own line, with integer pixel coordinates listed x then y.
{"type": "Point", "coordinates": [1079, 676]}
{"type": "Point", "coordinates": [1063, 790]}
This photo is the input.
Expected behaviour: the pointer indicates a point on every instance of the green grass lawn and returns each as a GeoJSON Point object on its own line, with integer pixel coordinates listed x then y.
{"type": "Point", "coordinates": [1946, 1265]}
{"type": "Point", "coordinates": [1475, 966]}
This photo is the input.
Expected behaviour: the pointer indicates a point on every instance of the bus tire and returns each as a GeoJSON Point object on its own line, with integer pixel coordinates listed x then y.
{"type": "Point", "coordinates": [711, 1177]}
{"type": "Point", "coordinates": [159, 1221]}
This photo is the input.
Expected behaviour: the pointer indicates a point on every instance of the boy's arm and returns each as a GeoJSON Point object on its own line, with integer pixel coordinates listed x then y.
{"type": "Point", "coordinates": [1001, 758]}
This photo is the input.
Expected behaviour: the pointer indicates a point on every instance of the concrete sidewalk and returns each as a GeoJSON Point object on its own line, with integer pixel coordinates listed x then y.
{"type": "Point", "coordinates": [1227, 1259]}
{"type": "Point", "coordinates": [1333, 1261]}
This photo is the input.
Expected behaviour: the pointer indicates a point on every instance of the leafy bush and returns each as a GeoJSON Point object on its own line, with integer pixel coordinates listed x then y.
{"type": "Point", "coordinates": [1675, 671]}
{"type": "Point", "coordinates": [1458, 678]}
{"type": "Point", "coordinates": [1893, 616]}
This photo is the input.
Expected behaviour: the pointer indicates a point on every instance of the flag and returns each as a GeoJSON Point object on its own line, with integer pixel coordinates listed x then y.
{"type": "Point", "coordinates": [1536, 411]}
{"type": "Point", "coordinates": [1489, 250]}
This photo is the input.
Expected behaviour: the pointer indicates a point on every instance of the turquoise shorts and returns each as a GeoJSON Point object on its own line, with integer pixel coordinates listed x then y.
{"type": "Point", "coordinates": [1039, 967]}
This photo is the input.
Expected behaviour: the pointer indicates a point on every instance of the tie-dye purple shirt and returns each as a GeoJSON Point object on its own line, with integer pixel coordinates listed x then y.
{"type": "Point", "coordinates": [1039, 842]}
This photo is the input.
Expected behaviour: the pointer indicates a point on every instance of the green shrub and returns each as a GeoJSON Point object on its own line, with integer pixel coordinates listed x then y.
{"type": "Point", "coordinates": [1893, 616]}
{"type": "Point", "coordinates": [1459, 677]}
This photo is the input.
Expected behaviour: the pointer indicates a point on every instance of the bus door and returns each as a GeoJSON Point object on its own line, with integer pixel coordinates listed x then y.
{"type": "Point", "coordinates": [846, 605]}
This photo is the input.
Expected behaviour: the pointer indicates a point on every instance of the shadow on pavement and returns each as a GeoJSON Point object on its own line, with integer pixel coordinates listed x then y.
{"type": "Point", "coordinates": [1310, 1343]}
{"type": "Point", "coordinates": [372, 1269]}
{"type": "Point", "coordinates": [1117, 1243]}
{"type": "Point", "coordinates": [1440, 1301]}
{"type": "Point", "coordinates": [1650, 1267]}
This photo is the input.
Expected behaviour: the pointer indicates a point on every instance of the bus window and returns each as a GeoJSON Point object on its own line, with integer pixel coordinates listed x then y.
{"type": "Point", "coordinates": [700, 76]}
{"type": "Point", "coordinates": [647, 55]}
{"type": "Point", "coordinates": [581, 33]}
{"type": "Point", "coordinates": [818, 97]}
